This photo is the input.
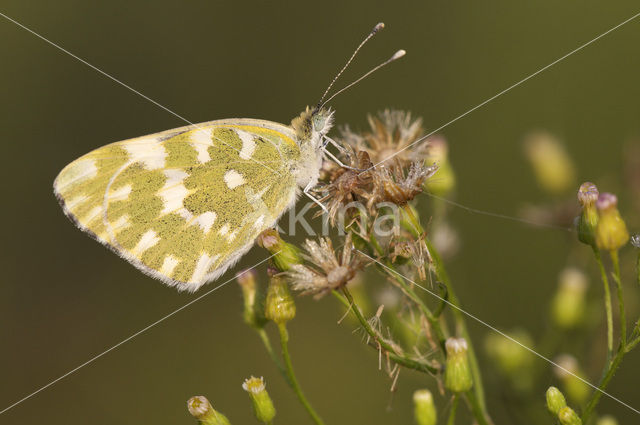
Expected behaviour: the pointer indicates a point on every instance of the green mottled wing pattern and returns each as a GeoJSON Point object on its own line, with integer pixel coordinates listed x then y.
{"type": "Point", "coordinates": [185, 204]}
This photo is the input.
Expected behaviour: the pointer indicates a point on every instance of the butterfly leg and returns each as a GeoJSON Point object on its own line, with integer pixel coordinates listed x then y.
{"type": "Point", "coordinates": [306, 191]}
{"type": "Point", "coordinates": [333, 157]}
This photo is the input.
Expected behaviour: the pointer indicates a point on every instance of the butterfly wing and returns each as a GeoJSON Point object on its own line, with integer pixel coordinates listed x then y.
{"type": "Point", "coordinates": [185, 204]}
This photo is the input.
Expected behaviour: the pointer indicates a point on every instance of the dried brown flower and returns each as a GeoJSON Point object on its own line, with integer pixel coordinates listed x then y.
{"type": "Point", "coordinates": [327, 269]}
{"type": "Point", "coordinates": [392, 132]}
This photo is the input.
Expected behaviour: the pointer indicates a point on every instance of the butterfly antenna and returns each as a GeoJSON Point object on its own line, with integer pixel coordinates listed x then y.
{"type": "Point", "coordinates": [396, 55]}
{"type": "Point", "coordinates": [373, 32]}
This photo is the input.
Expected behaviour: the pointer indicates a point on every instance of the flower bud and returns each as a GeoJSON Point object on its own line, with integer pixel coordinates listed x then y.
{"type": "Point", "coordinates": [552, 167]}
{"type": "Point", "coordinates": [279, 306]}
{"type": "Point", "coordinates": [611, 232]}
{"type": "Point", "coordinates": [444, 180]}
{"type": "Point", "coordinates": [457, 374]}
{"type": "Point", "coordinates": [253, 302]}
{"type": "Point", "coordinates": [424, 409]}
{"type": "Point", "coordinates": [568, 416]}
{"type": "Point", "coordinates": [262, 405]}
{"type": "Point", "coordinates": [606, 420]}
{"type": "Point", "coordinates": [285, 254]}
{"type": "Point", "coordinates": [587, 221]}
{"type": "Point", "coordinates": [555, 400]}
{"type": "Point", "coordinates": [568, 305]}
{"type": "Point", "coordinates": [201, 409]}
{"type": "Point", "coordinates": [569, 374]}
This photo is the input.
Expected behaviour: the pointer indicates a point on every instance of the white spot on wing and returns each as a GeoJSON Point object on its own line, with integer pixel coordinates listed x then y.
{"type": "Point", "coordinates": [149, 151]}
{"type": "Point", "coordinates": [203, 265]}
{"type": "Point", "coordinates": [120, 194]}
{"type": "Point", "coordinates": [233, 179]}
{"type": "Point", "coordinates": [224, 230]}
{"type": "Point", "coordinates": [232, 236]}
{"type": "Point", "coordinates": [201, 141]}
{"type": "Point", "coordinates": [121, 223]}
{"type": "Point", "coordinates": [173, 193]}
{"type": "Point", "coordinates": [248, 144]}
{"type": "Point", "coordinates": [148, 239]}
{"type": "Point", "coordinates": [259, 222]}
{"type": "Point", "coordinates": [205, 221]}
{"type": "Point", "coordinates": [168, 265]}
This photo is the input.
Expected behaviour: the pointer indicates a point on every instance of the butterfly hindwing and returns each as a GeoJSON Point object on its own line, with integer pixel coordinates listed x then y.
{"type": "Point", "coordinates": [185, 204]}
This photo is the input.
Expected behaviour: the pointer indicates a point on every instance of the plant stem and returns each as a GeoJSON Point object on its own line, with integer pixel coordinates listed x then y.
{"type": "Point", "coordinates": [452, 413]}
{"type": "Point", "coordinates": [408, 290]}
{"type": "Point", "coordinates": [267, 345]}
{"type": "Point", "coordinates": [623, 316]}
{"type": "Point", "coordinates": [476, 409]}
{"type": "Point", "coordinates": [457, 313]}
{"type": "Point", "coordinates": [607, 303]}
{"type": "Point", "coordinates": [604, 381]}
{"type": "Point", "coordinates": [399, 358]}
{"type": "Point", "coordinates": [284, 340]}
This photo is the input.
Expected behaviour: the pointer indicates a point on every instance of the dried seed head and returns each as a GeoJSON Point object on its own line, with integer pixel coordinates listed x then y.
{"type": "Point", "coordinates": [391, 135]}
{"type": "Point", "coordinates": [328, 270]}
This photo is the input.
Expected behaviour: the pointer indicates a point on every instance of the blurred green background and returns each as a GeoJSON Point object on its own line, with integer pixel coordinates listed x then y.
{"type": "Point", "coordinates": [66, 299]}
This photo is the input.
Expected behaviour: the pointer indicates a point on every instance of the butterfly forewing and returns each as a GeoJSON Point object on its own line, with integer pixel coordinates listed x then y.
{"type": "Point", "coordinates": [185, 204]}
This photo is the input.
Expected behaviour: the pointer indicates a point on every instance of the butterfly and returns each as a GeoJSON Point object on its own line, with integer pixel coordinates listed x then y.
{"type": "Point", "coordinates": [184, 205]}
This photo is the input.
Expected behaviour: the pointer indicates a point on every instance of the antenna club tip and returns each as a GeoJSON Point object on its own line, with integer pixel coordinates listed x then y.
{"type": "Point", "coordinates": [397, 55]}
{"type": "Point", "coordinates": [378, 27]}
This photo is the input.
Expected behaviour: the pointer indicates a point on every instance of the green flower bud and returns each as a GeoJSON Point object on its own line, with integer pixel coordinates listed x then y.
{"type": "Point", "coordinates": [201, 409]}
{"type": "Point", "coordinates": [424, 409]}
{"type": "Point", "coordinates": [262, 405]}
{"type": "Point", "coordinates": [279, 306]}
{"type": "Point", "coordinates": [552, 166]}
{"type": "Point", "coordinates": [568, 305]}
{"type": "Point", "coordinates": [457, 374]}
{"type": "Point", "coordinates": [555, 400]}
{"type": "Point", "coordinates": [444, 180]}
{"type": "Point", "coordinates": [606, 420]}
{"type": "Point", "coordinates": [587, 221]}
{"type": "Point", "coordinates": [253, 301]}
{"type": "Point", "coordinates": [567, 416]}
{"type": "Point", "coordinates": [611, 232]}
{"type": "Point", "coordinates": [285, 254]}
{"type": "Point", "coordinates": [569, 374]}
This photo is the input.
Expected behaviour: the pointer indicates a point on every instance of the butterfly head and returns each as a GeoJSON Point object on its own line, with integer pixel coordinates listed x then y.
{"type": "Point", "coordinates": [312, 124]}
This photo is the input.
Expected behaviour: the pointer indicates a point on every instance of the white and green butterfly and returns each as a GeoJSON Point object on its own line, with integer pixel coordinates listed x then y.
{"type": "Point", "coordinates": [185, 204]}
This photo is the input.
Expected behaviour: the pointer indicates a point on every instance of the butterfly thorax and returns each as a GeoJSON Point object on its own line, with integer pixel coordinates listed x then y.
{"type": "Point", "coordinates": [310, 127]}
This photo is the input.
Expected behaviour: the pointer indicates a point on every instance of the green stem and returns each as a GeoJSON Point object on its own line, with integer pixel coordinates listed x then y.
{"type": "Point", "coordinates": [284, 340]}
{"type": "Point", "coordinates": [607, 303]}
{"type": "Point", "coordinates": [623, 316]}
{"type": "Point", "coordinates": [604, 381]}
{"type": "Point", "coordinates": [267, 345]}
{"type": "Point", "coordinates": [399, 358]}
{"type": "Point", "coordinates": [457, 313]}
{"type": "Point", "coordinates": [408, 290]}
{"type": "Point", "coordinates": [452, 413]}
{"type": "Point", "coordinates": [477, 409]}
